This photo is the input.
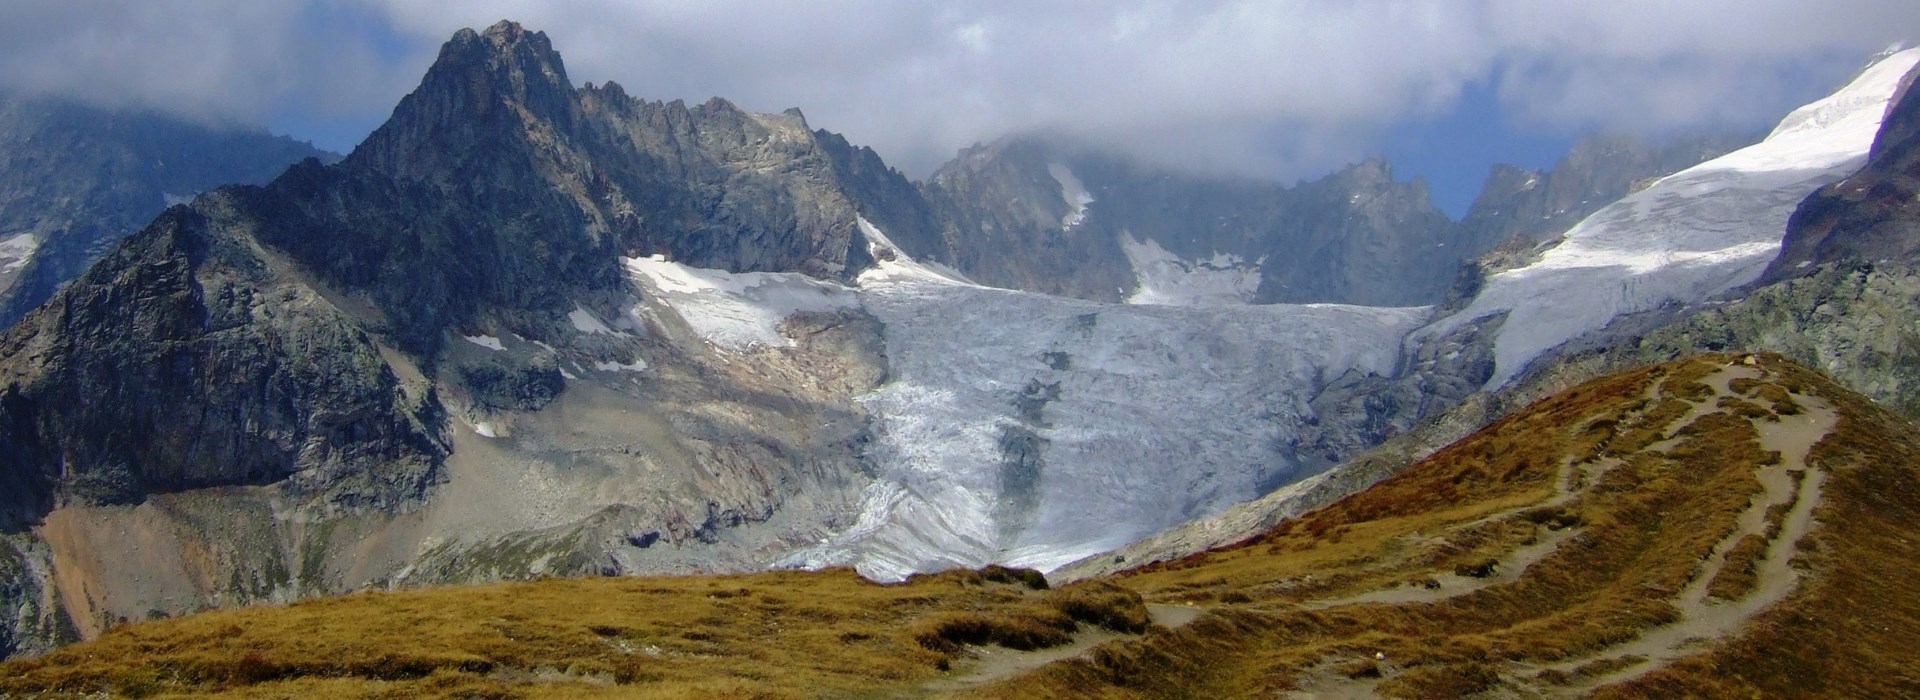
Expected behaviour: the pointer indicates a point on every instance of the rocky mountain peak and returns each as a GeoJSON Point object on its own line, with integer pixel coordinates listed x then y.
{"type": "Point", "coordinates": [1374, 170]}
{"type": "Point", "coordinates": [76, 178]}
{"type": "Point", "coordinates": [483, 87]}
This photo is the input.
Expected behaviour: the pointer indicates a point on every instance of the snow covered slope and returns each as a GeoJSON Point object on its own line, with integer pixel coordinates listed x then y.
{"type": "Point", "coordinates": [1073, 192]}
{"type": "Point", "coordinates": [1691, 235]}
{"type": "Point", "coordinates": [14, 251]}
{"type": "Point", "coordinates": [736, 311]}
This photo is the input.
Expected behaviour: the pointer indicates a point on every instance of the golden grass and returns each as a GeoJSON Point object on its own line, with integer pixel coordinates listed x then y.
{"type": "Point", "coordinates": [1736, 579]}
{"type": "Point", "coordinates": [779, 634]}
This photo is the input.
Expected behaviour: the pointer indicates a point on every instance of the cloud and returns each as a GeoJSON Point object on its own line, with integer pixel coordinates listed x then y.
{"type": "Point", "coordinates": [1281, 87]}
{"type": "Point", "coordinates": [212, 59]}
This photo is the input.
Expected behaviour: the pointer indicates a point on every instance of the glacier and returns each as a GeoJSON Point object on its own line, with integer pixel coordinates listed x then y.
{"type": "Point", "coordinates": [1127, 418]}
{"type": "Point", "coordinates": [1687, 237]}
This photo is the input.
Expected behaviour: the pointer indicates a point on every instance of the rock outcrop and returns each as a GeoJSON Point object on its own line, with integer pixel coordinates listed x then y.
{"type": "Point", "coordinates": [1040, 215]}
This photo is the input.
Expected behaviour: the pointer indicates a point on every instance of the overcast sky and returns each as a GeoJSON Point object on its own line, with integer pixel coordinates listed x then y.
{"type": "Point", "coordinates": [1280, 88]}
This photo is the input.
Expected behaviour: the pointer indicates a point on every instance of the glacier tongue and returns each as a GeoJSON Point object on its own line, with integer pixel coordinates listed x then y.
{"type": "Point", "coordinates": [1032, 430]}
{"type": "Point", "coordinates": [1689, 236]}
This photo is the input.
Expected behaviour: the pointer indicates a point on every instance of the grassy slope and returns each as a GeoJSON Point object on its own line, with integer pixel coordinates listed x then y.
{"type": "Point", "coordinates": [780, 634]}
{"type": "Point", "coordinates": [1641, 531]}
{"type": "Point", "coordinates": [1620, 489]}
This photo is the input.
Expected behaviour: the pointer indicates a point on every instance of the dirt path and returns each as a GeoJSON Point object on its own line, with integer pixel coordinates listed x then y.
{"type": "Point", "coordinates": [1571, 481]}
{"type": "Point", "coordinates": [1704, 619]}
{"type": "Point", "coordinates": [1508, 569]}
{"type": "Point", "coordinates": [991, 664]}
{"type": "Point", "coordinates": [1174, 616]}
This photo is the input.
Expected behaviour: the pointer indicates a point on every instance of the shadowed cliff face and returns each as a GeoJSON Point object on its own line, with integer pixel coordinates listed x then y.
{"type": "Point", "coordinates": [183, 361]}
{"type": "Point", "coordinates": [709, 184]}
{"type": "Point", "coordinates": [1038, 215]}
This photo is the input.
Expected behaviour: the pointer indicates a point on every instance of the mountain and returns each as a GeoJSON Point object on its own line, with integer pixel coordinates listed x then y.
{"type": "Point", "coordinates": [1721, 526]}
{"type": "Point", "coordinates": [1531, 206]}
{"type": "Point", "coordinates": [1042, 215]}
{"type": "Point", "coordinates": [271, 384]}
{"type": "Point", "coordinates": [1847, 317]}
{"type": "Point", "coordinates": [75, 179]}
{"type": "Point", "coordinates": [529, 329]}
{"type": "Point", "coordinates": [1685, 238]}
{"type": "Point", "coordinates": [1045, 214]}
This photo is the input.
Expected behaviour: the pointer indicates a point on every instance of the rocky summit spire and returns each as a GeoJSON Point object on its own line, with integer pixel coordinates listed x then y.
{"type": "Point", "coordinates": [485, 88]}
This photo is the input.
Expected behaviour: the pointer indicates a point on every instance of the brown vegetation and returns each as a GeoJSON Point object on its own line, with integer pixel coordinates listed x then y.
{"type": "Point", "coordinates": [781, 634]}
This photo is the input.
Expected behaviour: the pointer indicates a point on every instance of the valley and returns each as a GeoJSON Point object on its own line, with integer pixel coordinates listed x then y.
{"type": "Point", "coordinates": [1695, 527]}
{"type": "Point", "coordinates": [547, 390]}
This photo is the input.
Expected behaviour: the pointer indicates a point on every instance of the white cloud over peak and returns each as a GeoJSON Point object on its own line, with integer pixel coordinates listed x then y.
{"type": "Point", "coordinates": [1284, 87]}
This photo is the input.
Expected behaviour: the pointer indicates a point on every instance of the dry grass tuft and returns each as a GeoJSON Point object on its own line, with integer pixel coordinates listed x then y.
{"type": "Point", "coordinates": [1441, 682]}
{"type": "Point", "coordinates": [1736, 578]}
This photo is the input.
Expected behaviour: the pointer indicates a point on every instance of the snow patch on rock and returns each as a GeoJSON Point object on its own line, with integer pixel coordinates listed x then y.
{"type": "Point", "coordinates": [736, 311]}
{"type": "Point", "coordinates": [485, 341]}
{"type": "Point", "coordinates": [16, 251]}
{"type": "Point", "coordinates": [892, 265]}
{"type": "Point", "coordinates": [1164, 278]}
{"type": "Point", "coordinates": [585, 322]}
{"type": "Point", "coordinates": [1073, 192]}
